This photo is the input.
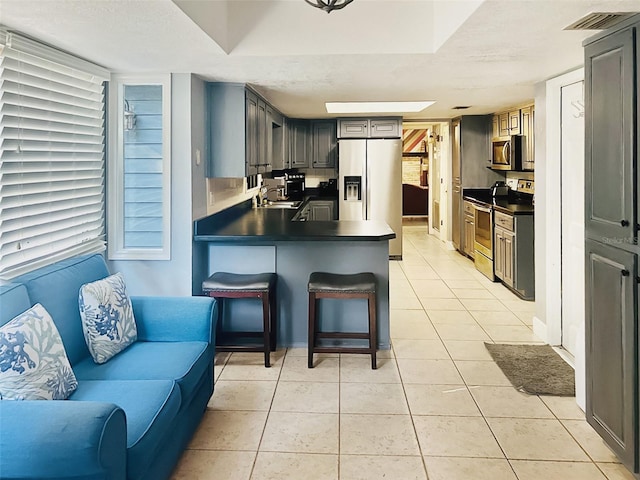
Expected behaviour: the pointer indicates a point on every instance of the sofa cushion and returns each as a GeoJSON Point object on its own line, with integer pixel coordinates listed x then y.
{"type": "Point", "coordinates": [14, 300]}
{"type": "Point", "coordinates": [33, 363]}
{"type": "Point", "coordinates": [107, 317]}
{"type": "Point", "coordinates": [56, 287]}
{"type": "Point", "coordinates": [184, 362]}
{"type": "Point", "coordinates": [150, 407]}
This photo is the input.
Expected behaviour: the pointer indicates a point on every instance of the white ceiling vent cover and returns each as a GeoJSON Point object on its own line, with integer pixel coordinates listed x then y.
{"type": "Point", "coordinates": [600, 20]}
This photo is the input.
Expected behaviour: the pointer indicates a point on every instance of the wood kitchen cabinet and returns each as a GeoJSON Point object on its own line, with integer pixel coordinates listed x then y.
{"type": "Point", "coordinates": [503, 257]}
{"type": "Point", "coordinates": [469, 229]}
{"type": "Point", "coordinates": [324, 144]}
{"type": "Point", "coordinates": [611, 277]}
{"type": "Point", "coordinates": [528, 132]}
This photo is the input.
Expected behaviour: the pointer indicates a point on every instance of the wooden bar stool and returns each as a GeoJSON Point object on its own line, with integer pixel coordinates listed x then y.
{"type": "Point", "coordinates": [332, 285]}
{"type": "Point", "coordinates": [223, 285]}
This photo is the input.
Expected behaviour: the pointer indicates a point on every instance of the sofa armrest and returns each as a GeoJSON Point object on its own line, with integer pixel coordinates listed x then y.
{"type": "Point", "coordinates": [175, 319]}
{"type": "Point", "coordinates": [62, 439]}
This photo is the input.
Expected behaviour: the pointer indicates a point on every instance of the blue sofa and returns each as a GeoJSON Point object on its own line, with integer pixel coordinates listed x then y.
{"type": "Point", "coordinates": [130, 417]}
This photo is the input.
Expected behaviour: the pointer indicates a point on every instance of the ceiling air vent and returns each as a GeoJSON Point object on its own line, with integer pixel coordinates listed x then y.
{"type": "Point", "coordinates": [461, 107]}
{"type": "Point", "coordinates": [599, 20]}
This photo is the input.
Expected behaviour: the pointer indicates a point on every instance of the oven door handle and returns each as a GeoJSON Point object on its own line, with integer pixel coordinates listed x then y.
{"type": "Point", "coordinates": [482, 209]}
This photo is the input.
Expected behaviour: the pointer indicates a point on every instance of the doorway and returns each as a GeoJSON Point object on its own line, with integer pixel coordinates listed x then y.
{"type": "Point", "coordinates": [572, 212]}
{"type": "Point", "coordinates": [425, 160]}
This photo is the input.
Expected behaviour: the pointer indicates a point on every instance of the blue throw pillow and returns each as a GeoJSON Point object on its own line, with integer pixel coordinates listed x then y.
{"type": "Point", "coordinates": [33, 362]}
{"type": "Point", "coordinates": [107, 317]}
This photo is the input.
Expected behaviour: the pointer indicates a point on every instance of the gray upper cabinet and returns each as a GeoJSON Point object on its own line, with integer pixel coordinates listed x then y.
{"type": "Point", "coordinates": [324, 143]}
{"type": "Point", "coordinates": [299, 144]}
{"type": "Point", "coordinates": [353, 128]}
{"type": "Point", "coordinates": [609, 133]}
{"type": "Point", "coordinates": [246, 134]}
{"type": "Point", "coordinates": [252, 135]}
{"type": "Point", "coordinates": [387, 127]}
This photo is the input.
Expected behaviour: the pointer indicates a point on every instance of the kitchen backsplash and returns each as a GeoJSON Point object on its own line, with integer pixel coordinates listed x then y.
{"type": "Point", "coordinates": [313, 176]}
{"type": "Point", "coordinates": [513, 177]}
{"type": "Point", "coordinates": [223, 193]}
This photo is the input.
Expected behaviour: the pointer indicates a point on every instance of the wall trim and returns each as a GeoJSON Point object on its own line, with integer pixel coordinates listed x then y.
{"type": "Point", "coordinates": [540, 329]}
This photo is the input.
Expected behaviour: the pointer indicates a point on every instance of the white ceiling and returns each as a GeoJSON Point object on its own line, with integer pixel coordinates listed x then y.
{"type": "Point", "coordinates": [484, 53]}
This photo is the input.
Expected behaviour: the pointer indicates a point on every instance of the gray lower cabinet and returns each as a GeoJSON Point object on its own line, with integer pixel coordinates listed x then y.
{"type": "Point", "coordinates": [513, 258]}
{"type": "Point", "coordinates": [324, 144]}
{"type": "Point", "coordinates": [611, 347]}
{"type": "Point", "coordinates": [322, 210]}
{"type": "Point", "coordinates": [317, 211]}
{"type": "Point", "coordinates": [611, 227]}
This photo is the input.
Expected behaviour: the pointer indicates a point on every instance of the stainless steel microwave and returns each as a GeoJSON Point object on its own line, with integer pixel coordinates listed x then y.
{"type": "Point", "coordinates": [507, 153]}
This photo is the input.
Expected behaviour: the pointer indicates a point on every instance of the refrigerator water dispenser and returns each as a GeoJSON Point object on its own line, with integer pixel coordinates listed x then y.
{"type": "Point", "coordinates": [353, 188]}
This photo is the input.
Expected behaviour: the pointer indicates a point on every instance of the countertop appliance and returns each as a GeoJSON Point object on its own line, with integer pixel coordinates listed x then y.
{"type": "Point", "coordinates": [499, 189]}
{"type": "Point", "coordinates": [507, 153]}
{"type": "Point", "coordinates": [294, 186]}
{"type": "Point", "coordinates": [275, 188]}
{"type": "Point", "coordinates": [370, 184]}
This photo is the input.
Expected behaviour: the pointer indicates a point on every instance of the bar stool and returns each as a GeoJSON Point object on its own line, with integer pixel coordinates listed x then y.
{"type": "Point", "coordinates": [341, 286]}
{"type": "Point", "coordinates": [223, 285]}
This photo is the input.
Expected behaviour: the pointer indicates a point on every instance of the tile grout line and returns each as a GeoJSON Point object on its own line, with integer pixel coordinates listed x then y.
{"type": "Point", "coordinates": [404, 391]}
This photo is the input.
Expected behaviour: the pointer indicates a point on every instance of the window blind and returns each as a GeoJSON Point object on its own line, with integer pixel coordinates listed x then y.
{"type": "Point", "coordinates": [51, 157]}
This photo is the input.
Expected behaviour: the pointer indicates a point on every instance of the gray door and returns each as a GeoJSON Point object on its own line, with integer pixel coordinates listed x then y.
{"type": "Point", "coordinates": [610, 347]}
{"type": "Point", "coordinates": [456, 217]}
{"type": "Point", "coordinates": [609, 133]}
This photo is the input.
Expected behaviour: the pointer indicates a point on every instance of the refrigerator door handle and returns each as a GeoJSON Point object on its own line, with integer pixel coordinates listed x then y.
{"type": "Point", "coordinates": [367, 191]}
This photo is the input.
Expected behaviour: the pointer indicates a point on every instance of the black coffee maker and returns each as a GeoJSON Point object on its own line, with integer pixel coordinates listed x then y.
{"type": "Point", "coordinates": [499, 189]}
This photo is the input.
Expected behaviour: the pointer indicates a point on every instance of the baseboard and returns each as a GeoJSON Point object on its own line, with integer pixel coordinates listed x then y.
{"type": "Point", "coordinates": [540, 329]}
{"type": "Point", "coordinates": [449, 245]}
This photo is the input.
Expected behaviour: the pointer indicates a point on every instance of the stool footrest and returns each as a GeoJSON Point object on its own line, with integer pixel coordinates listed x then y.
{"type": "Point", "coordinates": [364, 336]}
{"type": "Point", "coordinates": [365, 350]}
{"type": "Point", "coordinates": [239, 348]}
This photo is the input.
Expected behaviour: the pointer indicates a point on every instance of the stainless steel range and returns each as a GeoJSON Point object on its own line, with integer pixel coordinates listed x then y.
{"type": "Point", "coordinates": [483, 240]}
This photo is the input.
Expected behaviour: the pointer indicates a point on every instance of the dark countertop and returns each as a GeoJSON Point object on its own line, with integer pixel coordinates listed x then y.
{"type": "Point", "coordinates": [510, 206]}
{"type": "Point", "coordinates": [257, 225]}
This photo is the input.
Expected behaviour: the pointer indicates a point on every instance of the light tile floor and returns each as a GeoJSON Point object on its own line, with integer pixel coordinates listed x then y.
{"type": "Point", "coordinates": [437, 407]}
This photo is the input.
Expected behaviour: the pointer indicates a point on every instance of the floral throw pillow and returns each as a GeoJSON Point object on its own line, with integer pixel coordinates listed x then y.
{"type": "Point", "coordinates": [107, 317]}
{"type": "Point", "coordinates": [33, 362]}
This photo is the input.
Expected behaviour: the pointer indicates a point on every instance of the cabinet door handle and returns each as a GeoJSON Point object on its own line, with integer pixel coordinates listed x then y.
{"type": "Point", "coordinates": [625, 272]}
{"type": "Point", "coordinates": [624, 223]}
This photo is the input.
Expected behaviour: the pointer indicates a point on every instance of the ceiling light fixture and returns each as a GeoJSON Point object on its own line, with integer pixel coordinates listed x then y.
{"type": "Point", "coordinates": [376, 107]}
{"type": "Point", "coordinates": [329, 5]}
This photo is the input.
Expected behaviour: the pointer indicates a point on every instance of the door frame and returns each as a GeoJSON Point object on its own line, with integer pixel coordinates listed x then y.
{"type": "Point", "coordinates": [547, 323]}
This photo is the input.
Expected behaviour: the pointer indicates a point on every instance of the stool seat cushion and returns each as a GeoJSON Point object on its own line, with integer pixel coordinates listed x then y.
{"type": "Point", "coordinates": [342, 283]}
{"type": "Point", "coordinates": [237, 282]}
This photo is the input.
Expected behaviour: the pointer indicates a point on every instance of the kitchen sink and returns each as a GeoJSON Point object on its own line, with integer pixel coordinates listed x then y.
{"type": "Point", "coordinates": [284, 204]}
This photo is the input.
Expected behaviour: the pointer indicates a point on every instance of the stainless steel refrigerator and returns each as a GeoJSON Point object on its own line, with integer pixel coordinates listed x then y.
{"type": "Point", "coordinates": [370, 184]}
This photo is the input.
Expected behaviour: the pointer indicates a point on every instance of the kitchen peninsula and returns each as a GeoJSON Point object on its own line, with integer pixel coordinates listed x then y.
{"type": "Point", "coordinates": [243, 239]}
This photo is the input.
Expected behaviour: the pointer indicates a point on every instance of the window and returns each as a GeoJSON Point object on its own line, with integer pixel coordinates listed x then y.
{"type": "Point", "coordinates": [51, 156]}
{"type": "Point", "coordinates": [139, 184]}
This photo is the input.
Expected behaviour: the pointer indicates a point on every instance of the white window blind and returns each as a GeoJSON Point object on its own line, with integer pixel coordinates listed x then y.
{"type": "Point", "coordinates": [51, 157]}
